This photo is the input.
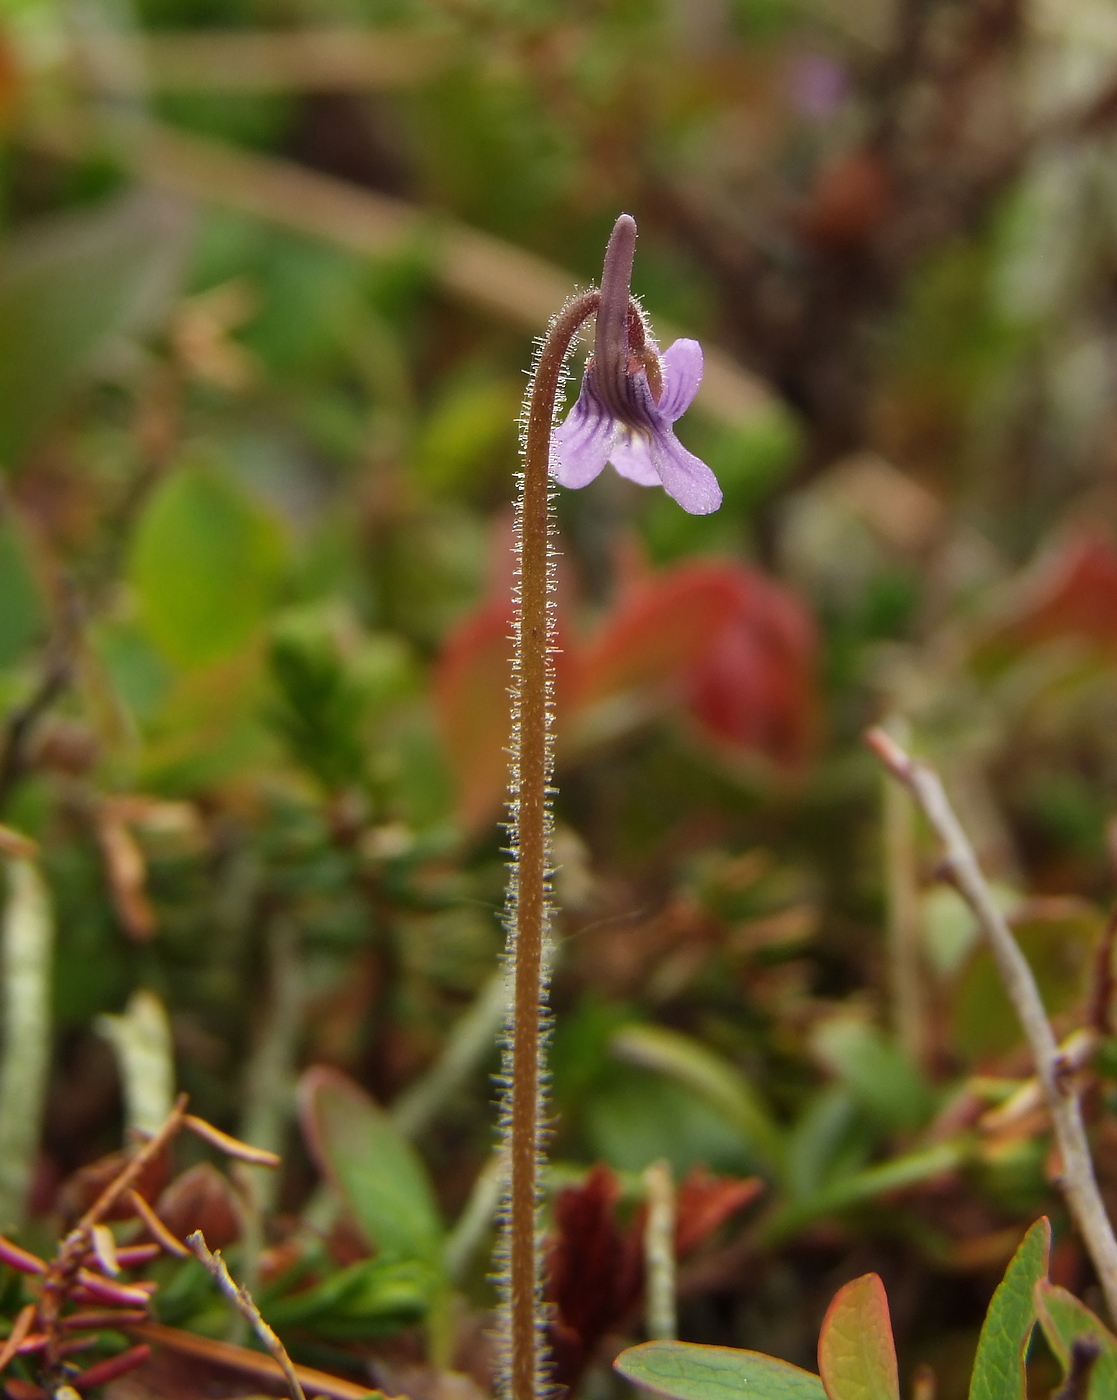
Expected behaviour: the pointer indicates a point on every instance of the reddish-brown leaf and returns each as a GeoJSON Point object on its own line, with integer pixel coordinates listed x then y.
{"type": "Point", "coordinates": [471, 692]}
{"type": "Point", "coordinates": [595, 1272]}
{"type": "Point", "coordinates": [704, 1201]}
{"type": "Point", "coordinates": [79, 1191]}
{"type": "Point", "coordinates": [1071, 592]}
{"type": "Point", "coordinates": [201, 1199]}
{"type": "Point", "coordinates": [753, 687]}
{"type": "Point", "coordinates": [659, 629]}
{"type": "Point", "coordinates": [735, 646]}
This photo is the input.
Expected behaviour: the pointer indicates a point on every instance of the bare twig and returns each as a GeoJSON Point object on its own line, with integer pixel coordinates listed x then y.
{"type": "Point", "coordinates": [903, 920]}
{"type": "Point", "coordinates": [1078, 1182]}
{"type": "Point", "coordinates": [241, 1299]}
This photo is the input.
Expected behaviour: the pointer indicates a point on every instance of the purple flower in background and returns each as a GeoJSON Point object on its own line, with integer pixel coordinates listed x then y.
{"type": "Point", "coordinates": [631, 397]}
{"type": "Point", "coordinates": [816, 84]}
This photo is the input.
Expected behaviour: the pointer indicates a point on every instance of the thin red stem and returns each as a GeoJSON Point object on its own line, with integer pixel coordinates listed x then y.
{"type": "Point", "coordinates": [530, 832]}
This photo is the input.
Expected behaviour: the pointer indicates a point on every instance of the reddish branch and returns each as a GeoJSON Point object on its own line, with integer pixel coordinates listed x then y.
{"type": "Point", "coordinates": [81, 1271]}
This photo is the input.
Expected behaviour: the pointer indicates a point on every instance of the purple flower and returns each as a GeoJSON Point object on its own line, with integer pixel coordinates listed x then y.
{"type": "Point", "coordinates": [632, 396]}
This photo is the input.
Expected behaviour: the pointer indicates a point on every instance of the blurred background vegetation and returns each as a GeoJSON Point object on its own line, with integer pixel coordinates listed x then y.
{"type": "Point", "coordinates": [270, 271]}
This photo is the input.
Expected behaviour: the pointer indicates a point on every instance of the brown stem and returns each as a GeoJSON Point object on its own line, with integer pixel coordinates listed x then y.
{"type": "Point", "coordinates": [530, 831]}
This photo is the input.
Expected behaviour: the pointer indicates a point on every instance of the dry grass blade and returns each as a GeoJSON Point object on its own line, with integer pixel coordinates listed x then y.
{"type": "Point", "coordinates": [231, 1146]}
{"type": "Point", "coordinates": [306, 60]}
{"type": "Point", "coordinates": [497, 278]}
{"type": "Point", "coordinates": [155, 1227]}
{"type": "Point", "coordinates": [21, 1328]}
{"type": "Point", "coordinates": [249, 1363]}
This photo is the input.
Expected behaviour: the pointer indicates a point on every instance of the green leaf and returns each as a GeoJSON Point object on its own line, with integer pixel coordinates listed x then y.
{"type": "Point", "coordinates": [687, 1371]}
{"type": "Point", "coordinates": [376, 1171]}
{"type": "Point", "coordinates": [66, 291]}
{"type": "Point", "coordinates": [829, 1140]}
{"type": "Point", "coordinates": [1064, 1321]}
{"type": "Point", "coordinates": [367, 1299]}
{"type": "Point", "coordinates": [875, 1070]}
{"type": "Point", "coordinates": [204, 566]}
{"type": "Point", "coordinates": [1057, 939]}
{"type": "Point", "coordinates": [998, 1372]}
{"type": "Point", "coordinates": [23, 615]}
{"type": "Point", "coordinates": [856, 1354]}
{"type": "Point", "coordinates": [722, 1085]}
{"type": "Point", "coordinates": [867, 1185]}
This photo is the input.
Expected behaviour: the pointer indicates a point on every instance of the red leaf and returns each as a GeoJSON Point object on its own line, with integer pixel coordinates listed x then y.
{"type": "Point", "coordinates": [704, 1201]}
{"type": "Point", "coordinates": [735, 646]}
{"type": "Point", "coordinates": [1072, 592]}
{"type": "Point", "coordinates": [595, 1272]}
{"type": "Point", "coordinates": [659, 630]}
{"type": "Point", "coordinates": [472, 680]}
{"type": "Point", "coordinates": [201, 1199]}
{"type": "Point", "coordinates": [753, 687]}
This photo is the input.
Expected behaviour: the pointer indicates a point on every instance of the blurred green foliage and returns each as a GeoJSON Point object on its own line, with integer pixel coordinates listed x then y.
{"type": "Point", "coordinates": [258, 460]}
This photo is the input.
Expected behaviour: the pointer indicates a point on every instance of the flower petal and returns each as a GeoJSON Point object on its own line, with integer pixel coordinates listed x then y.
{"type": "Point", "coordinates": [685, 477]}
{"type": "Point", "coordinates": [580, 445]}
{"type": "Point", "coordinates": [682, 374]}
{"type": "Point", "coordinates": [632, 456]}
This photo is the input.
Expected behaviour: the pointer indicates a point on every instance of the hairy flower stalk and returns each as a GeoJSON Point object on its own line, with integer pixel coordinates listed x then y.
{"type": "Point", "coordinates": [630, 398]}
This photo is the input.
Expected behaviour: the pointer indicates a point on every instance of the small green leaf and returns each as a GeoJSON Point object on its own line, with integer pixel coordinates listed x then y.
{"type": "Point", "coordinates": [856, 1354]}
{"type": "Point", "coordinates": [204, 566]}
{"type": "Point", "coordinates": [722, 1085]}
{"type": "Point", "coordinates": [867, 1185]}
{"type": "Point", "coordinates": [23, 615]}
{"type": "Point", "coordinates": [875, 1071]}
{"type": "Point", "coordinates": [998, 1372]}
{"type": "Point", "coordinates": [367, 1299]}
{"type": "Point", "coordinates": [687, 1371]}
{"type": "Point", "coordinates": [66, 290]}
{"type": "Point", "coordinates": [1064, 1321]}
{"type": "Point", "coordinates": [377, 1172]}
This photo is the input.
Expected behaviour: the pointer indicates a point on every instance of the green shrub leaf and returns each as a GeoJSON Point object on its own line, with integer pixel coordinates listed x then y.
{"type": "Point", "coordinates": [375, 1170]}
{"type": "Point", "coordinates": [686, 1371]}
{"type": "Point", "coordinates": [65, 292]}
{"type": "Point", "coordinates": [998, 1372]}
{"type": "Point", "coordinates": [204, 566]}
{"type": "Point", "coordinates": [722, 1085]}
{"type": "Point", "coordinates": [1064, 1321]}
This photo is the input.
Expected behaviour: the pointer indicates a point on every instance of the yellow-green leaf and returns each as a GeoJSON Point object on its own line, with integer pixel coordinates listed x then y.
{"type": "Point", "coordinates": [856, 1354]}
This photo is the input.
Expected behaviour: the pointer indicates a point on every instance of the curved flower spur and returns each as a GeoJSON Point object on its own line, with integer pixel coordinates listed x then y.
{"type": "Point", "coordinates": [632, 396]}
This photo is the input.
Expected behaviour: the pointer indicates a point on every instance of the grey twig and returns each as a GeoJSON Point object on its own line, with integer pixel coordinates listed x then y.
{"type": "Point", "coordinates": [241, 1299]}
{"type": "Point", "coordinates": [1079, 1185]}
